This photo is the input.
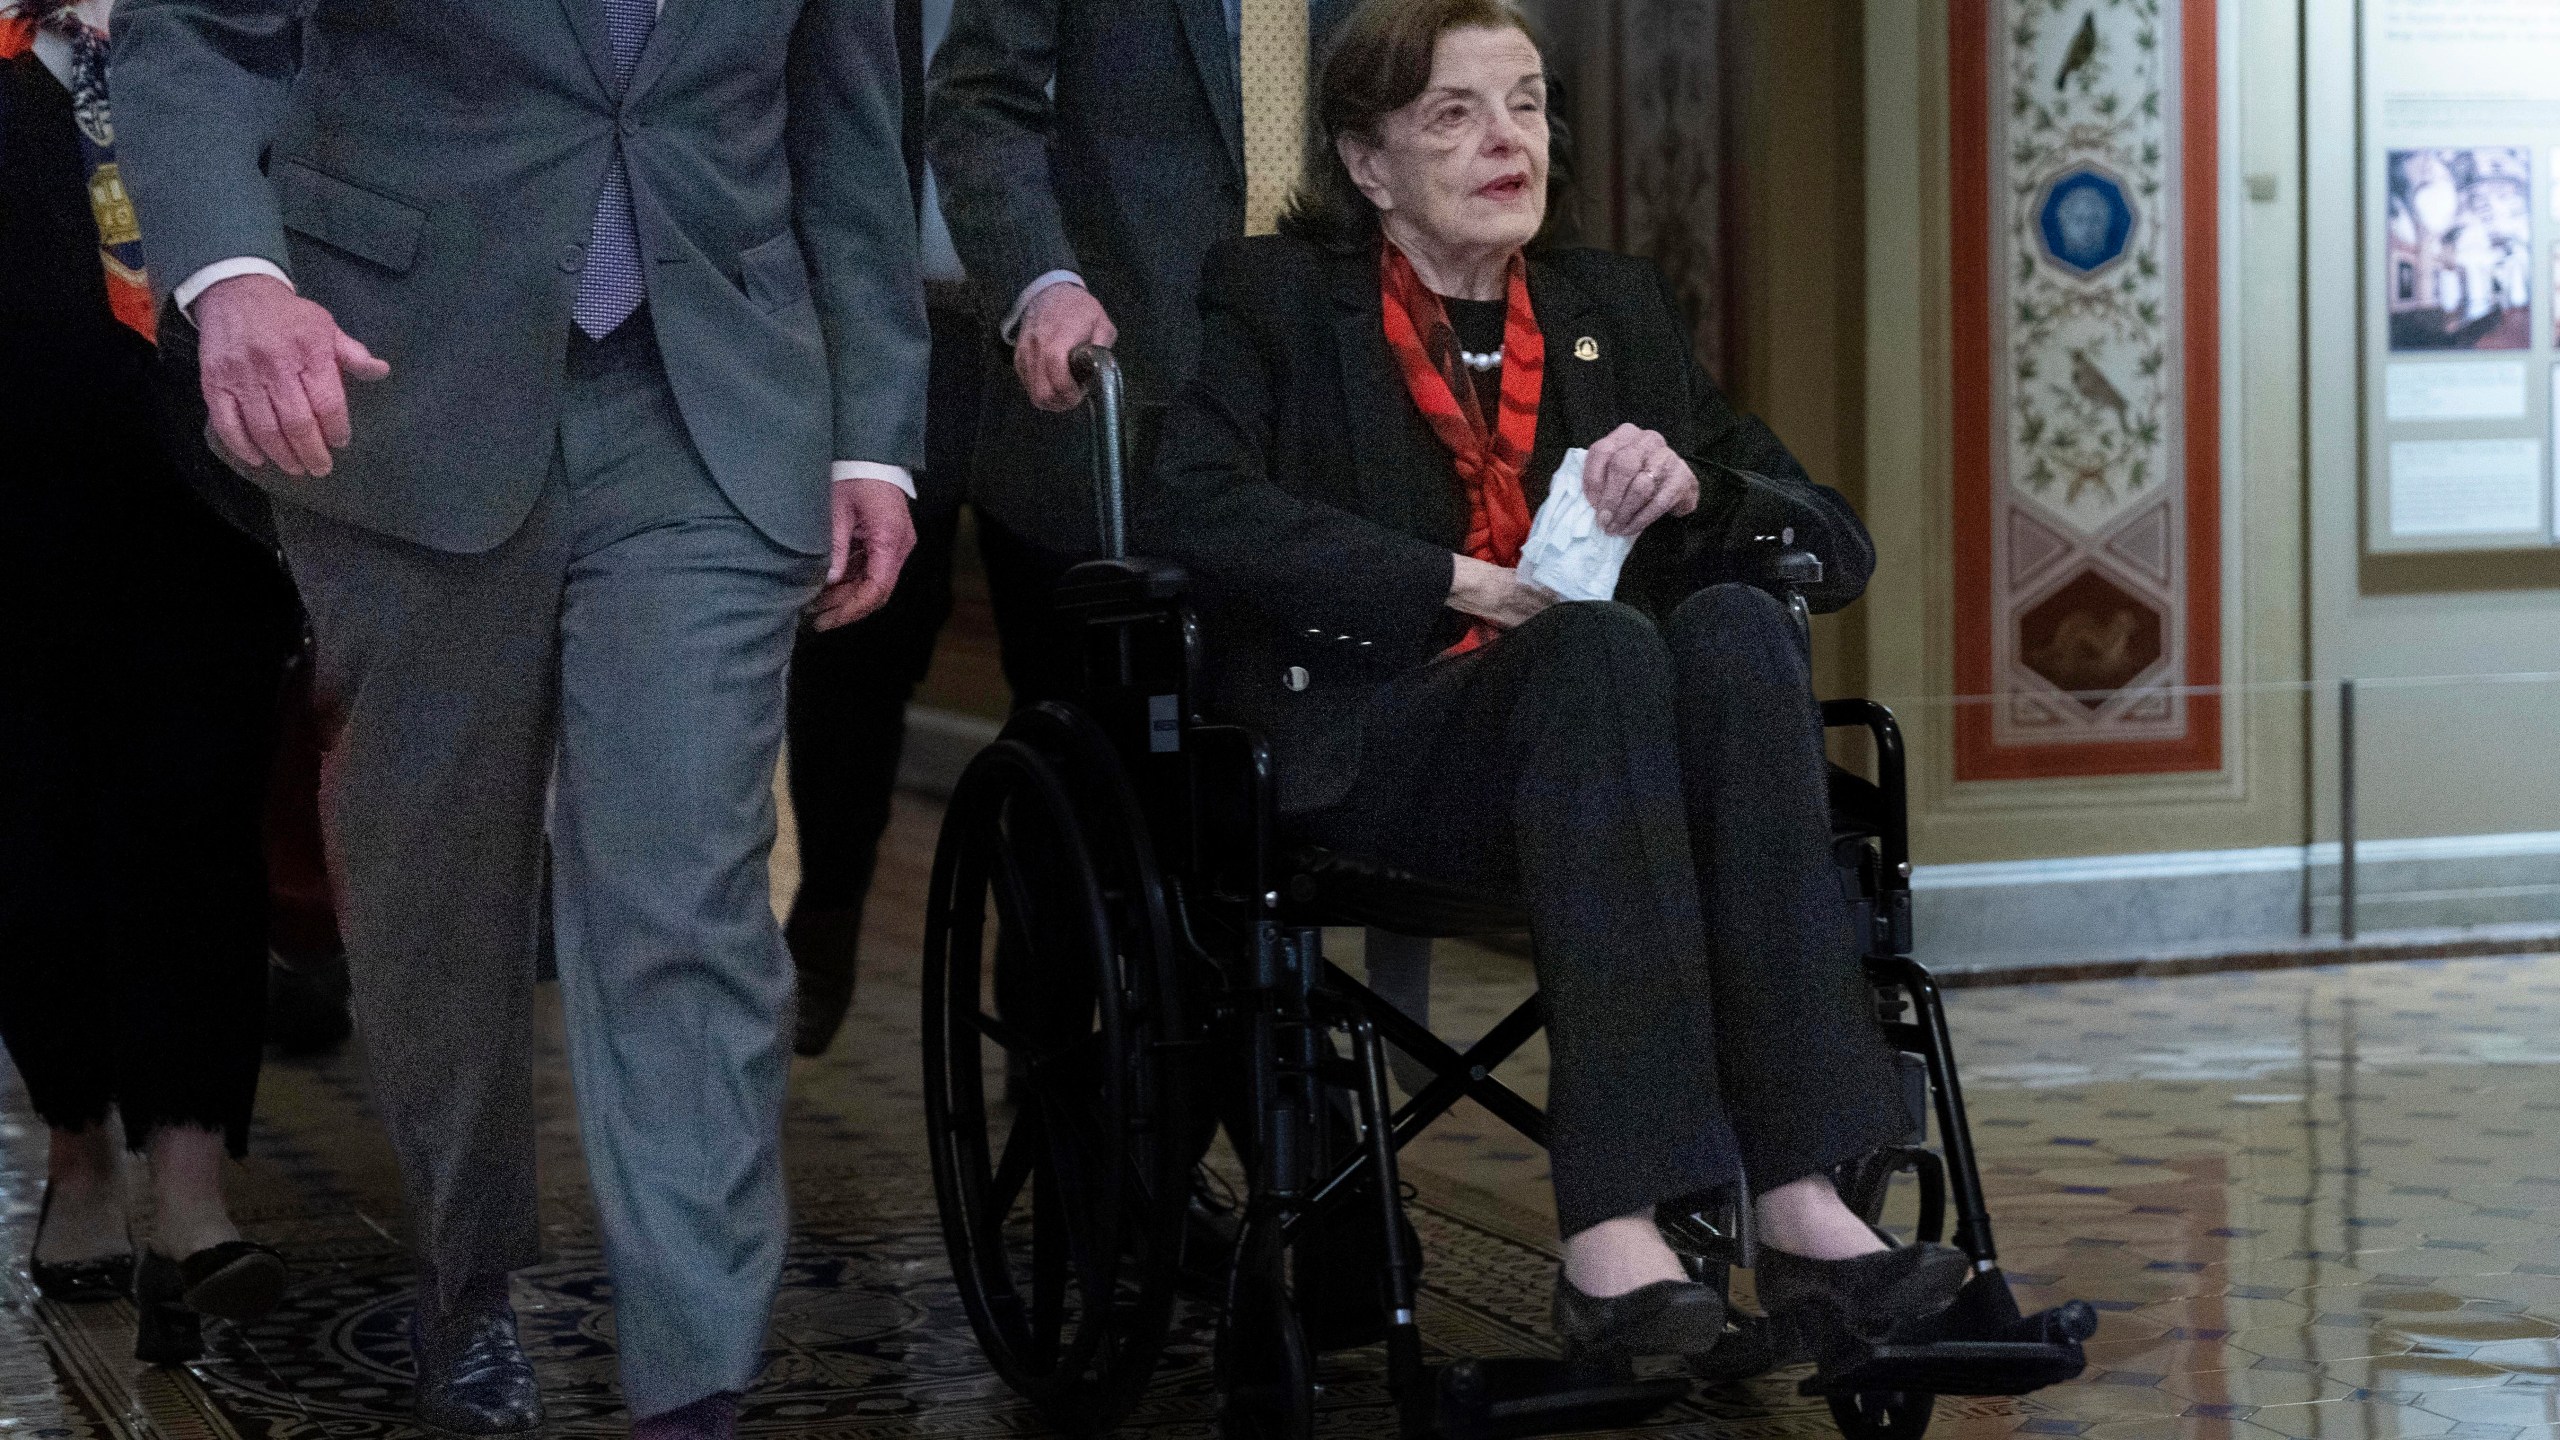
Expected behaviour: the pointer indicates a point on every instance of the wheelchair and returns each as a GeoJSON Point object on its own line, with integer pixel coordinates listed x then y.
{"type": "Point", "coordinates": [1155, 969]}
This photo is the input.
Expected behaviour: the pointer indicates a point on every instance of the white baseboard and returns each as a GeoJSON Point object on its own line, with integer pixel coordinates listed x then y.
{"type": "Point", "coordinates": [2107, 906]}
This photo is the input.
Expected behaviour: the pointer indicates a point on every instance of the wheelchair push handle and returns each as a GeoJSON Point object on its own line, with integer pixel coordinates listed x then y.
{"type": "Point", "coordinates": [1098, 370]}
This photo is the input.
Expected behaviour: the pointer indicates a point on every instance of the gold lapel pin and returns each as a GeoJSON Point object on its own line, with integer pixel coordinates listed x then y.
{"type": "Point", "coordinates": [1586, 348]}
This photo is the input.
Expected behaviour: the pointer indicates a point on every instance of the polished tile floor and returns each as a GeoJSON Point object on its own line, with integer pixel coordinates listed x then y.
{"type": "Point", "coordinates": [2318, 1203]}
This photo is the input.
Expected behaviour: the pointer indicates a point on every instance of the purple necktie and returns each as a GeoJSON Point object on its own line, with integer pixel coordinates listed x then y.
{"type": "Point", "coordinates": [610, 287]}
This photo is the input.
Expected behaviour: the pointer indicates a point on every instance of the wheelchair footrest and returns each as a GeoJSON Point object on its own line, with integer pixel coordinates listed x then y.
{"type": "Point", "coordinates": [1497, 1399]}
{"type": "Point", "coordinates": [1954, 1367]}
{"type": "Point", "coordinates": [1980, 1345]}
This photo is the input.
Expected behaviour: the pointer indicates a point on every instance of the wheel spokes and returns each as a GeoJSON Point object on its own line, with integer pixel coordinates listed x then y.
{"type": "Point", "coordinates": [1021, 1149]}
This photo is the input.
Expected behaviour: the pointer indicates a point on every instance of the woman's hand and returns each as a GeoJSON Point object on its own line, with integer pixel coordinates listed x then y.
{"type": "Point", "coordinates": [1633, 477]}
{"type": "Point", "coordinates": [1494, 595]}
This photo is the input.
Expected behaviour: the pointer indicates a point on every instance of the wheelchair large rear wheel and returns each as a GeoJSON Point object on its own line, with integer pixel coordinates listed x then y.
{"type": "Point", "coordinates": [1047, 953]}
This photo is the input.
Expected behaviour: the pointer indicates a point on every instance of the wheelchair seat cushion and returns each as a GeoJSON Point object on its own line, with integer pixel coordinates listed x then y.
{"type": "Point", "coordinates": [1326, 887]}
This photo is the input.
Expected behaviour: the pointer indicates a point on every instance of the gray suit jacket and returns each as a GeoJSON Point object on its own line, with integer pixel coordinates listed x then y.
{"type": "Point", "coordinates": [1127, 173]}
{"type": "Point", "coordinates": [428, 171]}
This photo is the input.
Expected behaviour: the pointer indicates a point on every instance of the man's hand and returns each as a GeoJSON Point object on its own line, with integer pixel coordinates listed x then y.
{"type": "Point", "coordinates": [269, 367]}
{"type": "Point", "coordinates": [873, 535]}
{"type": "Point", "coordinates": [1633, 477]}
{"type": "Point", "coordinates": [1495, 595]}
{"type": "Point", "coordinates": [1061, 318]}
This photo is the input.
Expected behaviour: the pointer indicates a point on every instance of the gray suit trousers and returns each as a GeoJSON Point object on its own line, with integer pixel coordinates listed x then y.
{"type": "Point", "coordinates": [635, 634]}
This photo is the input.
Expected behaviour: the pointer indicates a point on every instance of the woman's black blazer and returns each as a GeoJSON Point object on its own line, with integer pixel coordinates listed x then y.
{"type": "Point", "coordinates": [1318, 514]}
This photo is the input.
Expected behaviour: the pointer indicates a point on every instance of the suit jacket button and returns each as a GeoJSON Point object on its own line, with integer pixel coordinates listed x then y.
{"type": "Point", "coordinates": [1296, 679]}
{"type": "Point", "coordinates": [629, 126]}
{"type": "Point", "coordinates": [572, 259]}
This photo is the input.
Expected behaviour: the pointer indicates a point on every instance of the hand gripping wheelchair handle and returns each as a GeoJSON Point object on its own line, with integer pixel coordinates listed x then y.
{"type": "Point", "coordinates": [1114, 582]}
{"type": "Point", "coordinates": [1098, 370]}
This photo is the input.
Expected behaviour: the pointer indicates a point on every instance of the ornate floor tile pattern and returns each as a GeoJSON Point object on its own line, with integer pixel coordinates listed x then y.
{"type": "Point", "coordinates": [2317, 1203]}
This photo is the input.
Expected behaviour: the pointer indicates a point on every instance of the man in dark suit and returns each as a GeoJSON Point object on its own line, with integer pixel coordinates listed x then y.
{"type": "Point", "coordinates": [850, 687]}
{"type": "Point", "coordinates": [1090, 155]}
{"type": "Point", "coordinates": [631, 290]}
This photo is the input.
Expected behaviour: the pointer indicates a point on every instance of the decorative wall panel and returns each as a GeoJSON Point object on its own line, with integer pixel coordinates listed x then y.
{"type": "Point", "coordinates": [1668, 172]}
{"type": "Point", "coordinates": [2086, 394]}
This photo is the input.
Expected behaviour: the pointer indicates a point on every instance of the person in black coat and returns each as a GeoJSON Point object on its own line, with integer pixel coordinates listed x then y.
{"type": "Point", "coordinates": [145, 644]}
{"type": "Point", "coordinates": [1384, 390]}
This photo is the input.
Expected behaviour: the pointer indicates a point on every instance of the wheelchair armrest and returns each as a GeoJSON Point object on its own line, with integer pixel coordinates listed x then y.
{"type": "Point", "coordinates": [1775, 564]}
{"type": "Point", "coordinates": [1115, 584]}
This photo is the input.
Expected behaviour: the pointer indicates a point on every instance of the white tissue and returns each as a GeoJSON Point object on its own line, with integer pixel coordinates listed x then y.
{"type": "Point", "coordinates": [1567, 553]}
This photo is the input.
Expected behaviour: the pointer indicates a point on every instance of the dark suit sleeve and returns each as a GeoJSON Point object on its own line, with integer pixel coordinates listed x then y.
{"type": "Point", "coordinates": [857, 224]}
{"type": "Point", "coordinates": [199, 88]}
{"type": "Point", "coordinates": [1219, 510]}
{"type": "Point", "coordinates": [989, 117]}
{"type": "Point", "coordinates": [1752, 487]}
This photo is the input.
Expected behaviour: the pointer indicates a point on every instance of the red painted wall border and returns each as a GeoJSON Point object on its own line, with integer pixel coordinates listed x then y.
{"type": "Point", "coordinates": [1969, 80]}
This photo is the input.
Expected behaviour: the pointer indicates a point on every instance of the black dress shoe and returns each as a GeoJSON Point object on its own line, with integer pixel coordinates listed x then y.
{"type": "Point", "coordinates": [1837, 1308]}
{"type": "Point", "coordinates": [823, 946]}
{"type": "Point", "coordinates": [76, 1282]}
{"type": "Point", "coordinates": [1664, 1319]}
{"type": "Point", "coordinates": [473, 1377]}
{"type": "Point", "coordinates": [165, 1330]}
{"type": "Point", "coordinates": [237, 1280]}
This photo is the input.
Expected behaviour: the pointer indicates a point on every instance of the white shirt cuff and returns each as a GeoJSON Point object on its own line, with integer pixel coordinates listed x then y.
{"type": "Point", "coordinates": [873, 470]}
{"type": "Point", "coordinates": [1013, 318]}
{"type": "Point", "coordinates": [221, 270]}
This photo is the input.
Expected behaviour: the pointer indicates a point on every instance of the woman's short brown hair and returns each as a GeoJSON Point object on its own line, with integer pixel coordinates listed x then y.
{"type": "Point", "coordinates": [1379, 62]}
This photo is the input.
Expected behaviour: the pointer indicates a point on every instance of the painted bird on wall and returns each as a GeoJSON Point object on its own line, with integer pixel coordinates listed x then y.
{"type": "Point", "coordinates": [2084, 48]}
{"type": "Point", "coordinates": [2096, 388]}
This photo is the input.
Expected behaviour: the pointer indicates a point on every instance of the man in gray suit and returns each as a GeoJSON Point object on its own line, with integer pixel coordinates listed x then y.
{"type": "Point", "coordinates": [630, 293]}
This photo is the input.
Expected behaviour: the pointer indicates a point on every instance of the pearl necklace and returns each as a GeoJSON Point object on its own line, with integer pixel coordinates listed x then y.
{"type": "Point", "coordinates": [1474, 361]}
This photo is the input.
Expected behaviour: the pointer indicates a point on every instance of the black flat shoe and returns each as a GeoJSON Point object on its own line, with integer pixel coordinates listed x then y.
{"type": "Point", "coordinates": [1668, 1318]}
{"type": "Point", "coordinates": [1839, 1306]}
{"type": "Point", "coordinates": [237, 1280]}
{"type": "Point", "coordinates": [473, 1377]}
{"type": "Point", "coordinates": [165, 1331]}
{"type": "Point", "coordinates": [76, 1282]}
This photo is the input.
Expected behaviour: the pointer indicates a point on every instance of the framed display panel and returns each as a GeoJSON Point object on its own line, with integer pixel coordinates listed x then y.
{"type": "Point", "coordinates": [2458, 152]}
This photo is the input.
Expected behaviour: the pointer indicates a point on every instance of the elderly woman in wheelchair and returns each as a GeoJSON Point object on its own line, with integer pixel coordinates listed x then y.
{"type": "Point", "coordinates": [1330, 697]}
{"type": "Point", "coordinates": [1384, 392]}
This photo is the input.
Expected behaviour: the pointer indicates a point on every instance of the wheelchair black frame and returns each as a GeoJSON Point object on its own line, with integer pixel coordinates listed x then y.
{"type": "Point", "coordinates": [1206, 791]}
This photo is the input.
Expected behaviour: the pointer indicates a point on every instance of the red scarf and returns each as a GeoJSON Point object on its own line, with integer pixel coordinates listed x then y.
{"type": "Point", "coordinates": [1490, 458]}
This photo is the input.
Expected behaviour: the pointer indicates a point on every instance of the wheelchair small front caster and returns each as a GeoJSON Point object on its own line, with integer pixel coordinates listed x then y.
{"type": "Point", "coordinates": [1883, 1414]}
{"type": "Point", "coordinates": [1264, 1365]}
{"type": "Point", "coordinates": [1269, 1382]}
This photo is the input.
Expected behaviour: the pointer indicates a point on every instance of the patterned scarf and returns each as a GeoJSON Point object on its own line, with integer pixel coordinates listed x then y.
{"type": "Point", "coordinates": [83, 26]}
{"type": "Point", "coordinates": [1490, 457]}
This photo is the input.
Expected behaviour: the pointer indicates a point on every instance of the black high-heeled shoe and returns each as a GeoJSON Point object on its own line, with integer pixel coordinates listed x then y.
{"type": "Point", "coordinates": [165, 1331]}
{"type": "Point", "coordinates": [237, 1280]}
{"type": "Point", "coordinates": [76, 1282]}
